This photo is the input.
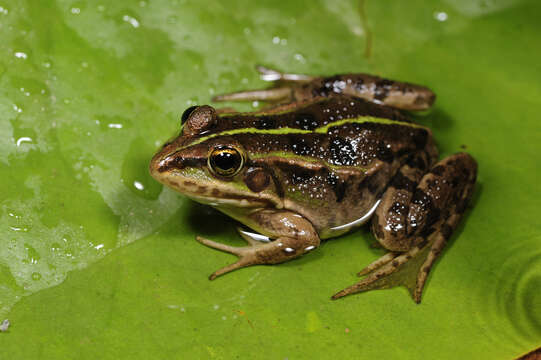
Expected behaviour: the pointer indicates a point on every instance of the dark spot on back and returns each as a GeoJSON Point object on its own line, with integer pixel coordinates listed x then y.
{"type": "Point", "coordinates": [338, 185]}
{"type": "Point", "coordinates": [264, 123]}
{"type": "Point", "coordinates": [416, 162]}
{"type": "Point", "coordinates": [306, 121]}
{"type": "Point", "coordinates": [399, 209]}
{"type": "Point", "coordinates": [384, 153]}
{"type": "Point", "coordinates": [432, 216]}
{"type": "Point", "coordinates": [301, 145]}
{"type": "Point", "coordinates": [402, 182]}
{"type": "Point", "coordinates": [342, 152]}
{"type": "Point", "coordinates": [420, 137]}
{"type": "Point", "coordinates": [421, 198]}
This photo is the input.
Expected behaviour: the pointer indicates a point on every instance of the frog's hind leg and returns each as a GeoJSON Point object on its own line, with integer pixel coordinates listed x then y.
{"type": "Point", "coordinates": [415, 225]}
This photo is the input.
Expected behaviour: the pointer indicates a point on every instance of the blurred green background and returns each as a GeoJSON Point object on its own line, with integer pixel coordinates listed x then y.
{"type": "Point", "coordinates": [97, 260]}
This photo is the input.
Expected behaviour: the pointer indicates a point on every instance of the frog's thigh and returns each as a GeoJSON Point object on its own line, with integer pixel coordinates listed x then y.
{"type": "Point", "coordinates": [390, 218]}
{"type": "Point", "coordinates": [418, 225]}
{"type": "Point", "coordinates": [293, 234]}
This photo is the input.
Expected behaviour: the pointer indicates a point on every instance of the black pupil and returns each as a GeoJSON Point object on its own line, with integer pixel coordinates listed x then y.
{"type": "Point", "coordinates": [186, 114]}
{"type": "Point", "coordinates": [226, 160]}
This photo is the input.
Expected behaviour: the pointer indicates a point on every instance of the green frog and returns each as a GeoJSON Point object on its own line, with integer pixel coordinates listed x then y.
{"type": "Point", "coordinates": [328, 155]}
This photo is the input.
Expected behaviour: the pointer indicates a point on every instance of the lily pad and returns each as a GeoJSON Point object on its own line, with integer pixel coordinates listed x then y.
{"type": "Point", "coordinates": [99, 260]}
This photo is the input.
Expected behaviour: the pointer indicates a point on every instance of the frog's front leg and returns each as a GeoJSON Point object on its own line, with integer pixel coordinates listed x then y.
{"type": "Point", "coordinates": [414, 221]}
{"type": "Point", "coordinates": [293, 236]}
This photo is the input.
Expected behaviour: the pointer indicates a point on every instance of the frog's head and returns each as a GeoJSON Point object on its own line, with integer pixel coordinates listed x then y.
{"type": "Point", "coordinates": [211, 166]}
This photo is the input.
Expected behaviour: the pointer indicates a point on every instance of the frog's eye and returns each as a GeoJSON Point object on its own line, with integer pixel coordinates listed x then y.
{"type": "Point", "coordinates": [186, 114]}
{"type": "Point", "coordinates": [198, 119]}
{"type": "Point", "coordinates": [225, 161]}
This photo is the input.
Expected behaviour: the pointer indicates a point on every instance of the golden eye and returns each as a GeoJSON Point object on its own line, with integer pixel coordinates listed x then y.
{"type": "Point", "coordinates": [225, 161]}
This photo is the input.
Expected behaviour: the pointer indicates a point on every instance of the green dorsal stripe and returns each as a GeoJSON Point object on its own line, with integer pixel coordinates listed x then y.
{"type": "Point", "coordinates": [287, 130]}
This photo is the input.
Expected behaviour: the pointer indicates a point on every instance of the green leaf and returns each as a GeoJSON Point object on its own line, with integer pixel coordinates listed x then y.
{"type": "Point", "coordinates": [97, 260]}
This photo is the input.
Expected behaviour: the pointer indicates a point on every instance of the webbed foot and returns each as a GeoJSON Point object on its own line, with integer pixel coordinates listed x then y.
{"type": "Point", "coordinates": [409, 269]}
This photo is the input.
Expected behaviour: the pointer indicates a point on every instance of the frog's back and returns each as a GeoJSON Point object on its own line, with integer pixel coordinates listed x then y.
{"type": "Point", "coordinates": [330, 160]}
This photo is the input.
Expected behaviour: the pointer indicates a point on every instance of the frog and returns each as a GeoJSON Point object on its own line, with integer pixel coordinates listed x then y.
{"type": "Point", "coordinates": [327, 155]}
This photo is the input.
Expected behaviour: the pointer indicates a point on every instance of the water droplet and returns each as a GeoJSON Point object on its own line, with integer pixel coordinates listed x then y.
{"type": "Point", "coordinates": [114, 126]}
{"type": "Point", "coordinates": [33, 255]}
{"type": "Point", "coordinates": [4, 326]}
{"type": "Point", "coordinates": [131, 20]}
{"type": "Point", "coordinates": [299, 58]}
{"type": "Point", "coordinates": [23, 140]}
{"type": "Point", "coordinates": [20, 55]}
{"type": "Point", "coordinates": [75, 10]}
{"type": "Point", "coordinates": [138, 185]}
{"type": "Point", "coordinates": [440, 16]}
{"type": "Point", "coordinates": [36, 276]}
{"type": "Point", "coordinates": [3, 10]}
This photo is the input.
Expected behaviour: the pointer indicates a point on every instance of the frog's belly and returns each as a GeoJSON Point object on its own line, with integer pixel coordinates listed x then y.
{"type": "Point", "coordinates": [331, 221]}
{"type": "Point", "coordinates": [343, 228]}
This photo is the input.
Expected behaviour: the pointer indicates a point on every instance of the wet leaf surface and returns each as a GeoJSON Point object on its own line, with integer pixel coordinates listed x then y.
{"type": "Point", "coordinates": [98, 260]}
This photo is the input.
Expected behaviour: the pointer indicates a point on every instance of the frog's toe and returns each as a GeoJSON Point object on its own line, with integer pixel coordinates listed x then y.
{"type": "Point", "coordinates": [245, 254]}
{"type": "Point", "coordinates": [378, 263]}
{"type": "Point", "coordinates": [218, 246]}
{"type": "Point", "coordinates": [409, 269]}
{"type": "Point", "coordinates": [382, 274]}
{"type": "Point", "coordinates": [242, 262]}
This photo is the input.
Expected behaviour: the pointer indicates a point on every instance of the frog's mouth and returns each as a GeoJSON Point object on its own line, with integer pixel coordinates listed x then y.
{"type": "Point", "coordinates": [199, 185]}
{"type": "Point", "coordinates": [217, 194]}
